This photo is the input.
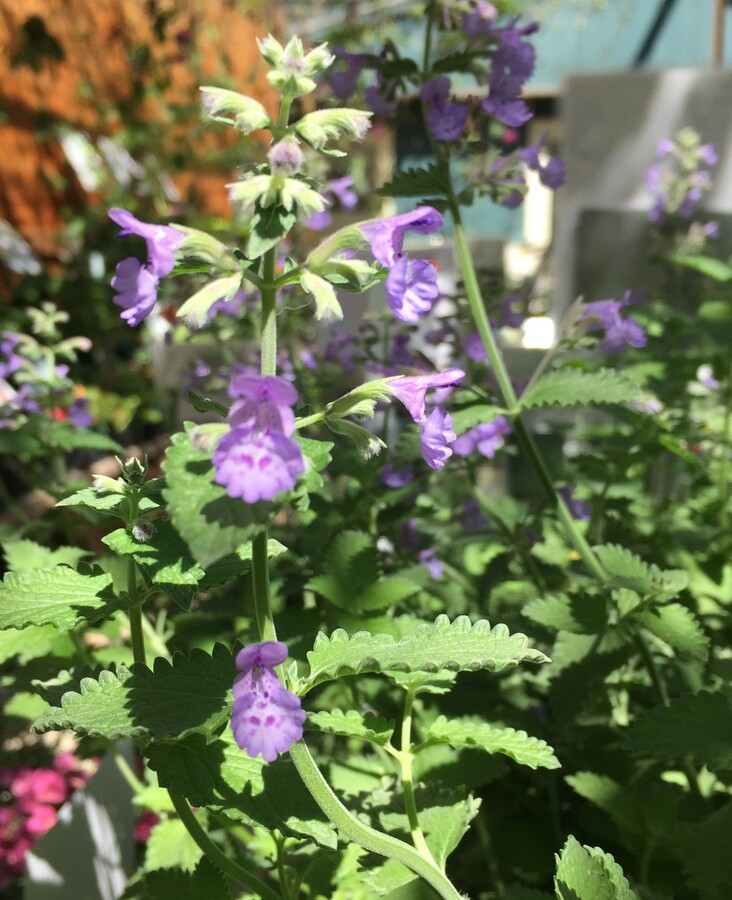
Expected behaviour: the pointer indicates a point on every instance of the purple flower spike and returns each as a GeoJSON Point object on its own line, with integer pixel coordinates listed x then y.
{"type": "Point", "coordinates": [605, 315]}
{"type": "Point", "coordinates": [266, 718]}
{"type": "Point", "coordinates": [436, 434]}
{"type": "Point", "coordinates": [445, 119]}
{"type": "Point", "coordinates": [257, 465]}
{"type": "Point", "coordinates": [412, 390]}
{"type": "Point", "coordinates": [386, 236]}
{"type": "Point", "coordinates": [486, 439]}
{"type": "Point", "coordinates": [262, 401]}
{"type": "Point", "coordinates": [11, 361]}
{"type": "Point", "coordinates": [162, 241]}
{"type": "Point", "coordinates": [411, 287]}
{"type": "Point", "coordinates": [137, 290]}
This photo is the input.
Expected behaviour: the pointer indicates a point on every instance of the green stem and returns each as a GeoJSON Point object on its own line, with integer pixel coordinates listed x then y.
{"type": "Point", "coordinates": [724, 463]}
{"type": "Point", "coordinates": [135, 614]}
{"type": "Point", "coordinates": [361, 834]}
{"type": "Point", "coordinates": [126, 771]}
{"type": "Point", "coordinates": [309, 420]}
{"type": "Point", "coordinates": [233, 869]}
{"type": "Point", "coordinates": [260, 582]}
{"type": "Point", "coordinates": [268, 291]}
{"type": "Point", "coordinates": [406, 758]}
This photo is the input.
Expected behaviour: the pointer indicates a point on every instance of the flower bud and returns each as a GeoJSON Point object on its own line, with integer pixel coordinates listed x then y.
{"type": "Point", "coordinates": [316, 128]}
{"type": "Point", "coordinates": [143, 530]}
{"type": "Point", "coordinates": [206, 248]}
{"type": "Point", "coordinates": [134, 471]}
{"type": "Point", "coordinates": [327, 307]}
{"type": "Point", "coordinates": [103, 484]}
{"type": "Point", "coordinates": [232, 108]}
{"type": "Point", "coordinates": [286, 158]}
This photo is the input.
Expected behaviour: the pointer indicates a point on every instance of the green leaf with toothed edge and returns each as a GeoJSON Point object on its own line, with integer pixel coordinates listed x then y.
{"type": "Point", "coordinates": [351, 723]}
{"type": "Point", "coordinates": [459, 646]}
{"type": "Point", "coordinates": [56, 596]}
{"type": "Point", "coordinates": [587, 873]}
{"type": "Point", "coordinates": [573, 387]}
{"type": "Point", "coordinates": [471, 734]}
{"type": "Point", "coordinates": [224, 778]}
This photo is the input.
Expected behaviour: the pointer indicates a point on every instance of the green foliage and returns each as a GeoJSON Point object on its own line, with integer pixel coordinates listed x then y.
{"type": "Point", "coordinates": [170, 846]}
{"type": "Point", "coordinates": [574, 387]}
{"type": "Point", "coordinates": [106, 502]}
{"type": "Point", "coordinates": [678, 627]}
{"type": "Point", "coordinates": [268, 226]}
{"type": "Point", "coordinates": [707, 265]}
{"type": "Point", "coordinates": [219, 776]}
{"type": "Point", "coordinates": [213, 524]}
{"type": "Point", "coordinates": [177, 884]}
{"type": "Point", "coordinates": [375, 730]}
{"type": "Point", "coordinates": [23, 556]}
{"type": "Point", "coordinates": [470, 733]}
{"type": "Point", "coordinates": [459, 646]}
{"type": "Point", "coordinates": [431, 183]}
{"type": "Point", "coordinates": [626, 570]}
{"type": "Point", "coordinates": [587, 872]}
{"type": "Point", "coordinates": [57, 596]}
{"type": "Point", "coordinates": [698, 725]}
{"type": "Point", "coordinates": [578, 614]}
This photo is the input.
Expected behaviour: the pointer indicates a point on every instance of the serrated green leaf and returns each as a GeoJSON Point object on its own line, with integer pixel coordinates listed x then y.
{"type": "Point", "coordinates": [573, 387]}
{"type": "Point", "coordinates": [175, 884]}
{"type": "Point", "coordinates": [707, 265]}
{"type": "Point", "coordinates": [164, 558]}
{"type": "Point", "coordinates": [68, 437]}
{"type": "Point", "coordinates": [24, 556]}
{"type": "Point", "coordinates": [705, 853]}
{"type": "Point", "coordinates": [317, 457]}
{"type": "Point", "coordinates": [189, 694]}
{"type": "Point", "coordinates": [212, 523]}
{"type": "Point", "coordinates": [698, 725]}
{"type": "Point", "coordinates": [577, 614]}
{"type": "Point", "coordinates": [58, 596]}
{"type": "Point", "coordinates": [170, 845]}
{"type": "Point", "coordinates": [376, 730]}
{"type": "Point", "coordinates": [626, 570]}
{"type": "Point", "coordinates": [459, 646]}
{"type": "Point", "coordinates": [465, 419]}
{"type": "Point", "coordinates": [103, 502]}
{"type": "Point", "coordinates": [434, 181]}
{"type": "Point", "coordinates": [622, 804]}
{"type": "Point", "coordinates": [678, 627]}
{"type": "Point", "coordinates": [473, 734]}
{"type": "Point", "coordinates": [586, 873]}
{"type": "Point", "coordinates": [223, 778]}
{"type": "Point", "coordinates": [34, 642]}
{"type": "Point", "coordinates": [268, 226]}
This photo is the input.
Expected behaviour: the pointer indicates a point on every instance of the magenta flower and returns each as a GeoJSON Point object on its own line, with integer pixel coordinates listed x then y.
{"type": "Point", "coordinates": [435, 435]}
{"type": "Point", "coordinates": [386, 236]}
{"type": "Point", "coordinates": [257, 465]}
{"type": "Point", "coordinates": [137, 290]}
{"type": "Point", "coordinates": [262, 401]}
{"type": "Point", "coordinates": [35, 786]}
{"type": "Point", "coordinates": [434, 565]}
{"type": "Point", "coordinates": [411, 288]}
{"type": "Point", "coordinates": [605, 315]}
{"type": "Point", "coordinates": [486, 439]}
{"type": "Point", "coordinates": [412, 390]}
{"type": "Point", "coordinates": [162, 240]}
{"type": "Point", "coordinates": [445, 119]}
{"type": "Point", "coordinates": [266, 718]}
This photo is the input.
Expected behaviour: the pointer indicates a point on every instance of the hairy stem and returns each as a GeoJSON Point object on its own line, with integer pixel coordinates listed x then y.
{"type": "Point", "coordinates": [406, 758]}
{"type": "Point", "coordinates": [361, 834]}
{"type": "Point", "coordinates": [231, 868]}
{"type": "Point", "coordinates": [135, 614]}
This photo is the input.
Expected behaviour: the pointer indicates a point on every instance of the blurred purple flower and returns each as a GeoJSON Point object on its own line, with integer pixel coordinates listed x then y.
{"type": "Point", "coordinates": [434, 565]}
{"type": "Point", "coordinates": [137, 290]}
{"type": "Point", "coordinates": [343, 83]}
{"type": "Point", "coordinates": [162, 240]}
{"type": "Point", "coordinates": [79, 413]}
{"type": "Point", "coordinates": [486, 439]}
{"type": "Point", "coordinates": [396, 478]}
{"type": "Point", "coordinates": [266, 718]}
{"type": "Point", "coordinates": [386, 236]}
{"type": "Point", "coordinates": [378, 97]}
{"type": "Point", "coordinates": [474, 347]}
{"type": "Point", "coordinates": [510, 318]}
{"type": "Point", "coordinates": [343, 350]}
{"type": "Point", "coordinates": [11, 362]}
{"type": "Point", "coordinates": [445, 119]}
{"type": "Point", "coordinates": [480, 19]}
{"type": "Point", "coordinates": [435, 436]}
{"type": "Point", "coordinates": [411, 288]}
{"type": "Point", "coordinates": [580, 509]}
{"type": "Point", "coordinates": [512, 63]}
{"type": "Point", "coordinates": [553, 173]}
{"type": "Point", "coordinates": [257, 465]}
{"type": "Point", "coordinates": [605, 315]}
{"type": "Point", "coordinates": [412, 390]}
{"type": "Point", "coordinates": [340, 189]}
{"type": "Point", "coordinates": [262, 402]}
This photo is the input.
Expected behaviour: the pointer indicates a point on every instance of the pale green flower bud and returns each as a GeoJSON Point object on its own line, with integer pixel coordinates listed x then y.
{"type": "Point", "coordinates": [367, 444]}
{"type": "Point", "coordinates": [349, 237]}
{"type": "Point", "coordinates": [103, 484]}
{"type": "Point", "coordinates": [201, 245]}
{"type": "Point", "coordinates": [323, 125]}
{"type": "Point", "coordinates": [294, 191]}
{"type": "Point", "coordinates": [271, 50]}
{"type": "Point", "coordinates": [232, 108]}
{"type": "Point", "coordinates": [286, 158]}
{"type": "Point", "coordinates": [143, 530]}
{"type": "Point", "coordinates": [361, 401]}
{"type": "Point", "coordinates": [327, 307]}
{"type": "Point", "coordinates": [196, 308]}
{"type": "Point", "coordinates": [259, 188]}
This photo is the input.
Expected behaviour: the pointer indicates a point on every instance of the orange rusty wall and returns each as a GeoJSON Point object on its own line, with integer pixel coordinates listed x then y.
{"type": "Point", "coordinates": [112, 58]}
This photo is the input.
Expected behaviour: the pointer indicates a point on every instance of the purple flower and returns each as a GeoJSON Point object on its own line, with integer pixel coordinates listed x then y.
{"type": "Point", "coordinates": [551, 175]}
{"type": "Point", "coordinates": [343, 83]}
{"type": "Point", "coordinates": [474, 347]}
{"type": "Point", "coordinates": [340, 189]}
{"type": "Point", "coordinates": [479, 20]}
{"type": "Point", "coordinates": [708, 155]}
{"type": "Point", "coordinates": [342, 349]}
{"type": "Point", "coordinates": [377, 97]}
{"type": "Point", "coordinates": [445, 119]}
{"type": "Point", "coordinates": [513, 113]}
{"type": "Point", "coordinates": [512, 64]}
{"type": "Point", "coordinates": [162, 241]}
{"type": "Point", "coordinates": [411, 288]}
{"type": "Point", "coordinates": [434, 565]}
{"type": "Point", "coordinates": [79, 413]}
{"type": "Point", "coordinates": [665, 147]}
{"type": "Point", "coordinates": [710, 230]}
{"type": "Point", "coordinates": [579, 509]}
{"type": "Point", "coordinates": [266, 718]}
{"type": "Point", "coordinates": [11, 362]}
{"type": "Point", "coordinates": [286, 158]}
{"type": "Point", "coordinates": [257, 465]}
{"type": "Point", "coordinates": [605, 315]}
{"type": "Point", "coordinates": [435, 435]}
{"type": "Point", "coordinates": [137, 290]}
{"type": "Point", "coordinates": [412, 390]}
{"type": "Point", "coordinates": [262, 402]}
{"type": "Point", "coordinates": [487, 439]}
{"type": "Point", "coordinates": [511, 318]}
{"type": "Point", "coordinates": [396, 478]}
{"type": "Point", "coordinates": [386, 236]}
